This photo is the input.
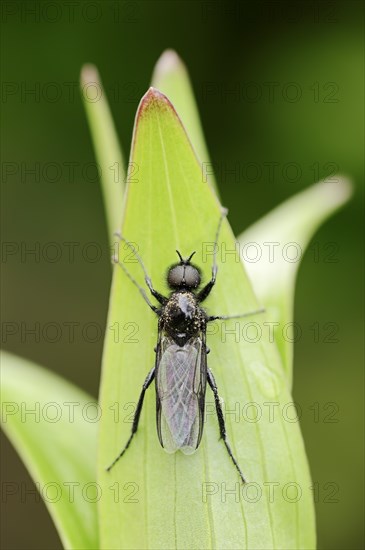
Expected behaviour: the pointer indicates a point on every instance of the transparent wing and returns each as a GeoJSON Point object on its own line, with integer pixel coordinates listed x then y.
{"type": "Point", "coordinates": [180, 392]}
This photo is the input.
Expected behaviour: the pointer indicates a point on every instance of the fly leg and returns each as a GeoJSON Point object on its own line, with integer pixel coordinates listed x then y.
{"type": "Point", "coordinates": [141, 290]}
{"type": "Point", "coordinates": [222, 425]}
{"type": "Point", "coordinates": [238, 316]}
{"type": "Point", "coordinates": [159, 297]}
{"type": "Point", "coordinates": [205, 291]}
{"type": "Point", "coordinates": [146, 383]}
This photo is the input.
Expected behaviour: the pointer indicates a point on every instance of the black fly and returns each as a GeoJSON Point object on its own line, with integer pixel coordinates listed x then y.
{"type": "Point", "coordinates": [181, 372]}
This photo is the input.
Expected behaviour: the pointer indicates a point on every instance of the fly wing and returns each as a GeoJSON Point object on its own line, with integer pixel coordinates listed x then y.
{"type": "Point", "coordinates": [180, 392]}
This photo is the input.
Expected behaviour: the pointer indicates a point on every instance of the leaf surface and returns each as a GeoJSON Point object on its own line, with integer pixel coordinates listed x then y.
{"type": "Point", "coordinates": [281, 238]}
{"type": "Point", "coordinates": [108, 152]}
{"type": "Point", "coordinates": [51, 424]}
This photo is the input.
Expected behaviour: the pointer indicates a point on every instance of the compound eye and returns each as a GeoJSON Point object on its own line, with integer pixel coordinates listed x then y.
{"type": "Point", "coordinates": [175, 276]}
{"type": "Point", "coordinates": [192, 277]}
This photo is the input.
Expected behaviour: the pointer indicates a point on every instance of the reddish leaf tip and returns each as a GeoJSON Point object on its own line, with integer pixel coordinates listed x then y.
{"type": "Point", "coordinates": [153, 98]}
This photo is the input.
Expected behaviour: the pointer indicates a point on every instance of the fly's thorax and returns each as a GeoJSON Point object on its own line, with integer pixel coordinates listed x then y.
{"type": "Point", "coordinates": [182, 317]}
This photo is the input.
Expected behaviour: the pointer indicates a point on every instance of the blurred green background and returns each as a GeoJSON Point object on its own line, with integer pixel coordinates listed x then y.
{"type": "Point", "coordinates": [279, 86]}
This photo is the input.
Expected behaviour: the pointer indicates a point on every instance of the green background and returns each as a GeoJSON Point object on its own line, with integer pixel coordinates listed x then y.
{"type": "Point", "coordinates": [277, 83]}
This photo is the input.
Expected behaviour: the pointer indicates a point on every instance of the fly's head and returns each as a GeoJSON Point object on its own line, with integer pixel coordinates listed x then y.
{"type": "Point", "coordinates": [183, 275]}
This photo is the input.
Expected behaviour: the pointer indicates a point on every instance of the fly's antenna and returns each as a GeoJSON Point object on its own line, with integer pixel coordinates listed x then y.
{"type": "Point", "coordinates": [224, 212]}
{"type": "Point", "coordinates": [187, 261]}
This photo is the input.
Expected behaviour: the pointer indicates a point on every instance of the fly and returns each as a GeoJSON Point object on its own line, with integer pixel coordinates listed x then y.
{"type": "Point", "coordinates": [181, 372]}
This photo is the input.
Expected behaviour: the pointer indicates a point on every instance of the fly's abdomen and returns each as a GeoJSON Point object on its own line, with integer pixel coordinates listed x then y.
{"type": "Point", "coordinates": [178, 386]}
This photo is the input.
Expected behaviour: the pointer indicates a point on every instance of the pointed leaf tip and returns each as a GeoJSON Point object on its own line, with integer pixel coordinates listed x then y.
{"type": "Point", "coordinates": [168, 61]}
{"type": "Point", "coordinates": [336, 192]}
{"type": "Point", "coordinates": [89, 73]}
{"type": "Point", "coordinates": [153, 95]}
{"type": "Point", "coordinates": [152, 100]}
{"type": "Point", "coordinates": [108, 152]}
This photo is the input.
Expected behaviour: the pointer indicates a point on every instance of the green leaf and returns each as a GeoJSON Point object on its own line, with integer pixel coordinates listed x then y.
{"type": "Point", "coordinates": [57, 443]}
{"type": "Point", "coordinates": [106, 145]}
{"type": "Point", "coordinates": [171, 77]}
{"type": "Point", "coordinates": [153, 499]}
{"type": "Point", "coordinates": [282, 237]}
